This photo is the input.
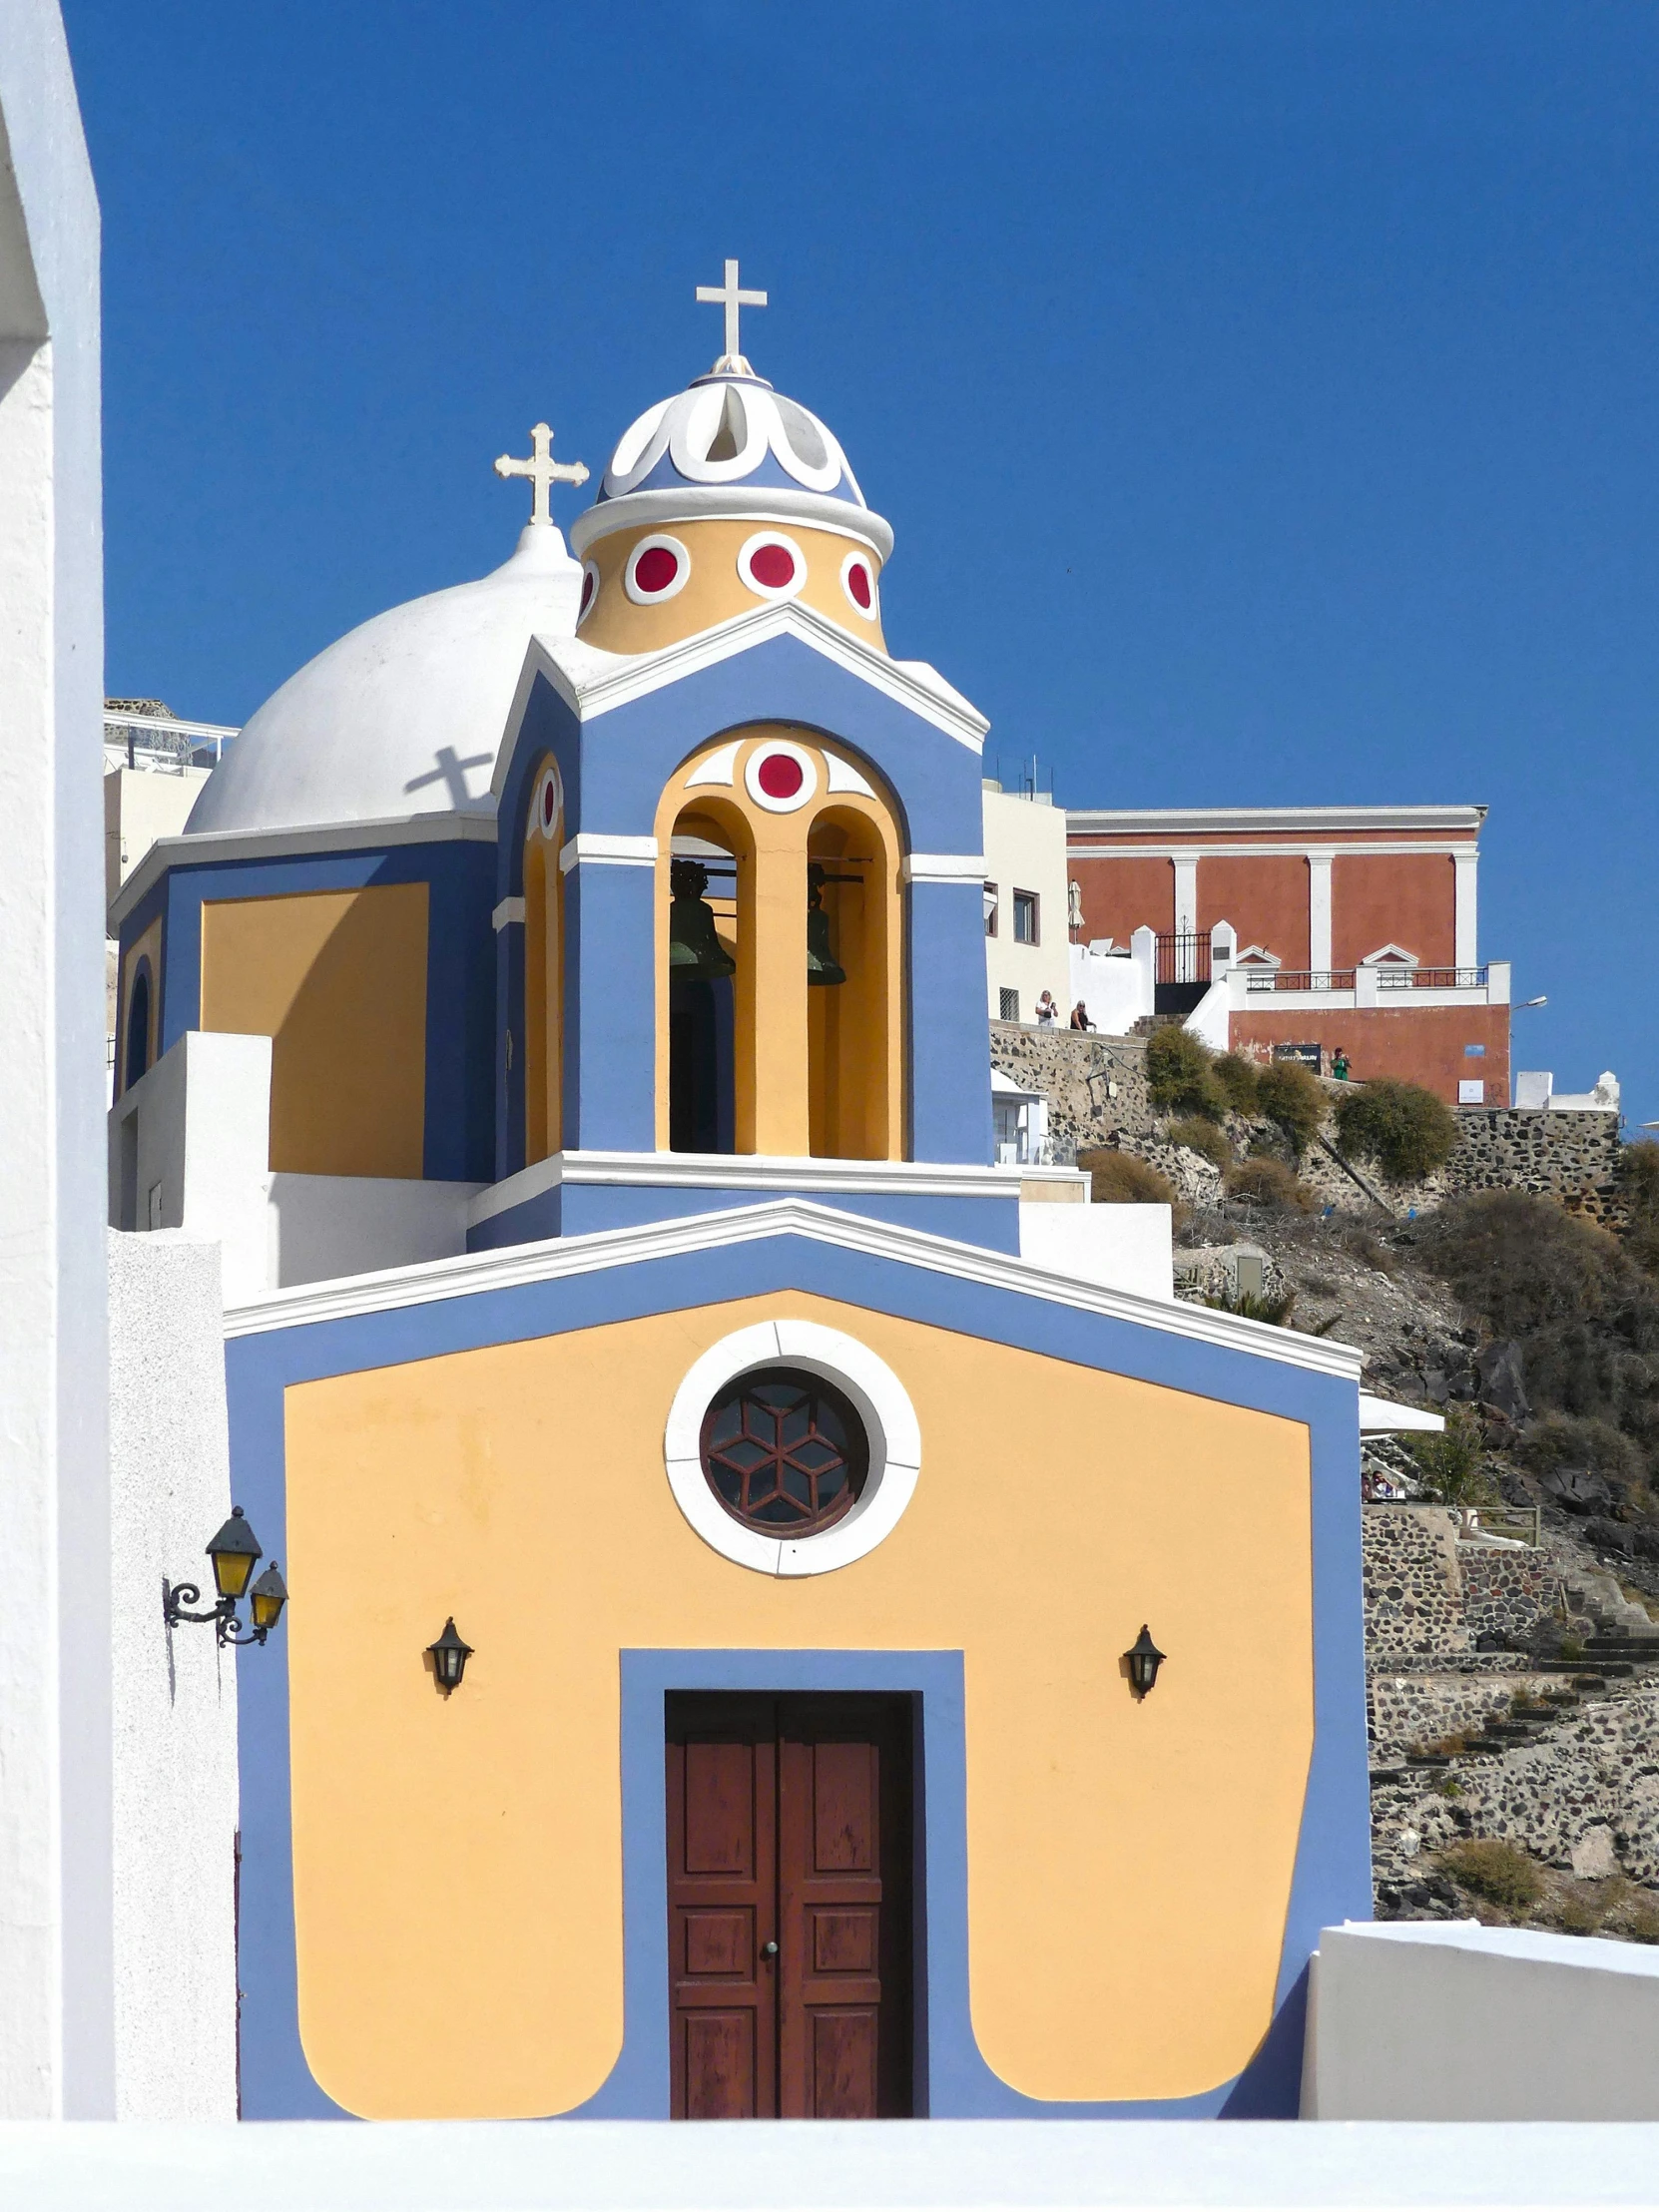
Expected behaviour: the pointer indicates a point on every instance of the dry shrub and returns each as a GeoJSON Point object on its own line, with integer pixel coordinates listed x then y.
{"type": "Point", "coordinates": [1640, 1919]}
{"type": "Point", "coordinates": [1490, 1868]}
{"type": "Point", "coordinates": [1292, 1101]}
{"type": "Point", "coordinates": [1406, 1130]}
{"type": "Point", "coordinates": [1262, 1181]}
{"type": "Point", "coordinates": [1179, 1074]}
{"type": "Point", "coordinates": [1203, 1137]}
{"type": "Point", "coordinates": [1576, 1913]}
{"type": "Point", "coordinates": [1119, 1179]}
{"type": "Point", "coordinates": [1241, 1080]}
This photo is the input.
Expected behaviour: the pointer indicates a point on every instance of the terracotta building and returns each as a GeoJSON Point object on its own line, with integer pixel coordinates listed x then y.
{"type": "Point", "coordinates": [1347, 929]}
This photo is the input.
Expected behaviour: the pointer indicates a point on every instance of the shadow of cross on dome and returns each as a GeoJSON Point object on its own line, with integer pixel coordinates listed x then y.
{"type": "Point", "coordinates": [451, 771]}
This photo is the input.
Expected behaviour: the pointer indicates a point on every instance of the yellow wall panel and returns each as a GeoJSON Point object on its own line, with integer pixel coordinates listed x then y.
{"type": "Point", "coordinates": [457, 1863]}
{"type": "Point", "coordinates": [338, 981]}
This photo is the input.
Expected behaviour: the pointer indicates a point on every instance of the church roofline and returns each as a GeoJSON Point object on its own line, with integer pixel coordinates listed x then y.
{"type": "Point", "coordinates": [519, 1266]}
{"type": "Point", "coordinates": [591, 683]}
{"type": "Point", "coordinates": [208, 847]}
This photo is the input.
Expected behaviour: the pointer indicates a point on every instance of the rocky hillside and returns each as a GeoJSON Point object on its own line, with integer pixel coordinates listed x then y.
{"type": "Point", "coordinates": [1512, 1566]}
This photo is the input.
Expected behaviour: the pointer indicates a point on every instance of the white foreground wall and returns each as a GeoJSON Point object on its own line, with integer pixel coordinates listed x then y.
{"type": "Point", "coordinates": [56, 2005]}
{"type": "Point", "coordinates": [175, 1791]}
{"type": "Point", "coordinates": [1121, 1248]}
{"type": "Point", "coordinates": [1449, 2020]}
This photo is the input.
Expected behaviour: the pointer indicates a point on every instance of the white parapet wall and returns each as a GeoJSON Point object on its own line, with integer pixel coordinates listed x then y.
{"type": "Point", "coordinates": [175, 1690]}
{"type": "Point", "coordinates": [1449, 2020]}
{"type": "Point", "coordinates": [1120, 1248]}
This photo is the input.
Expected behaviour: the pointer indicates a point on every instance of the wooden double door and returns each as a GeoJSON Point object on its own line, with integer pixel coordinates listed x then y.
{"type": "Point", "coordinates": [788, 1906]}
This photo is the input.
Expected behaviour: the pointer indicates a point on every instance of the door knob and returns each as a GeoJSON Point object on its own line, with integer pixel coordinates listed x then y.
{"type": "Point", "coordinates": [769, 1951]}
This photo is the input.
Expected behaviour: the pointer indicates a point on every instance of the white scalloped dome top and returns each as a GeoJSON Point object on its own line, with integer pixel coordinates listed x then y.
{"type": "Point", "coordinates": [404, 714]}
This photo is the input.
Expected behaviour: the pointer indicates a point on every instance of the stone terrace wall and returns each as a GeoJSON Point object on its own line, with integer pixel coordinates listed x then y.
{"type": "Point", "coordinates": [1570, 1156]}
{"type": "Point", "coordinates": [1094, 1085]}
{"type": "Point", "coordinates": [1506, 1594]}
{"type": "Point", "coordinates": [1411, 1712]}
{"type": "Point", "coordinates": [1413, 1593]}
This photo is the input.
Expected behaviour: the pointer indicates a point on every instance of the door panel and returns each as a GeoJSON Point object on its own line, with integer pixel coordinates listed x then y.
{"type": "Point", "coordinates": [721, 1860]}
{"type": "Point", "coordinates": [788, 1823]}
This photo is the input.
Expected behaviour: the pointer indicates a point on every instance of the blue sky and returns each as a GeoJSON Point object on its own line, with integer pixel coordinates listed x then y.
{"type": "Point", "coordinates": [1265, 397]}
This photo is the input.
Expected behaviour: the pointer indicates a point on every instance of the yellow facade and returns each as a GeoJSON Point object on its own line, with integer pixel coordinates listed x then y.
{"type": "Point", "coordinates": [458, 1861]}
{"type": "Point", "coordinates": [338, 981]}
{"type": "Point", "coordinates": [810, 1080]}
{"type": "Point", "coordinates": [715, 591]}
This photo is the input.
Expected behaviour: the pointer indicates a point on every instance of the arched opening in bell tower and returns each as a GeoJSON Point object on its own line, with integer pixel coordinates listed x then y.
{"type": "Point", "coordinates": [543, 968]}
{"type": "Point", "coordinates": [704, 948]}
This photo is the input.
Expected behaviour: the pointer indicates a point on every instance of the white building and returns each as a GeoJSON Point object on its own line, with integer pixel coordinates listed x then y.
{"type": "Point", "coordinates": [1027, 912]}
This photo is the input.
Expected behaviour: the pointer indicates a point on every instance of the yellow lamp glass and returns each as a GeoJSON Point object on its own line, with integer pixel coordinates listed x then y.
{"type": "Point", "coordinates": [234, 1552]}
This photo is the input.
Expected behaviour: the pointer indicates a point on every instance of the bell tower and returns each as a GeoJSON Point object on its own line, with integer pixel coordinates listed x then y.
{"type": "Point", "coordinates": [763, 967]}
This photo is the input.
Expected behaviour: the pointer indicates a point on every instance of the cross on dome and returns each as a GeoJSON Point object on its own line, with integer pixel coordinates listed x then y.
{"type": "Point", "coordinates": [729, 296]}
{"type": "Point", "coordinates": [543, 471]}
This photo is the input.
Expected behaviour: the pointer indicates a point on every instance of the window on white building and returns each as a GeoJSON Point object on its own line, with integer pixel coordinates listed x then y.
{"type": "Point", "coordinates": [1025, 918]}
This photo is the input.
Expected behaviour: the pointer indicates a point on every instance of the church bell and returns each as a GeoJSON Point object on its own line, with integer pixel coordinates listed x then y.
{"type": "Point", "coordinates": [695, 953]}
{"type": "Point", "coordinates": [822, 965]}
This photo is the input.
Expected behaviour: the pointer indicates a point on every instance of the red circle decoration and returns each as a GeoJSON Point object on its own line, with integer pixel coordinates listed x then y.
{"type": "Point", "coordinates": [656, 570]}
{"type": "Point", "coordinates": [773, 566]}
{"type": "Point", "coordinates": [780, 775]}
{"type": "Point", "coordinates": [859, 587]}
{"type": "Point", "coordinates": [588, 583]}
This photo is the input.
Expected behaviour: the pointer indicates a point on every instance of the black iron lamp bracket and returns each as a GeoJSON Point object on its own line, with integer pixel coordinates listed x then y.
{"type": "Point", "coordinates": [177, 1596]}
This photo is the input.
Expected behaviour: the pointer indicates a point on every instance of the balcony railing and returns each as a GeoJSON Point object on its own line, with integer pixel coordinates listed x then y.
{"type": "Point", "coordinates": [1388, 978]}
{"type": "Point", "coordinates": [1298, 980]}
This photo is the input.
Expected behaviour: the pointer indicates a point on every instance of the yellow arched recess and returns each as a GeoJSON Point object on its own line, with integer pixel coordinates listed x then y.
{"type": "Point", "coordinates": [543, 968]}
{"type": "Point", "coordinates": [810, 1079]}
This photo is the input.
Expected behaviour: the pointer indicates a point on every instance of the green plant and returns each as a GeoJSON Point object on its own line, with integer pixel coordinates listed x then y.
{"type": "Point", "coordinates": [1205, 1137]}
{"type": "Point", "coordinates": [1119, 1179]}
{"type": "Point", "coordinates": [1270, 1305]}
{"type": "Point", "coordinates": [1179, 1074]}
{"type": "Point", "coordinates": [1262, 1181]}
{"type": "Point", "coordinates": [1406, 1130]}
{"type": "Point", "coordinates": [1292, 1100]}
{"type": "Point", "coordinates": [1640, 1920]}
{"type": "Point", "coordinates": [1240, 1079]}
{"type": "Point", "coordinates": [1572, 1648]}
{"type": "Point", "coordinates": [1450, 1462]}
{"type": "Point", "coordinates": [1448, 1786]}
{"type": "Point", "coordinates": [1490, 1868]}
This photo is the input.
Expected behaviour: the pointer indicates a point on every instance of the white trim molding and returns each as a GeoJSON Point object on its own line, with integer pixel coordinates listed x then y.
{"type": "Point", "coordinates": [1318, 911]}
{"type": "Point", "coordinates": [1307, 822]}
{"type": "Point", "coordinates": [593, 683]}
{"type": "Point", "coordinates": [1464, 930]}
{"type": "Point", "coordinates": [945, 867]}
{"type": "Point", "coordinates": [432, 1282]}
{"type": "Point", "coordinates": [205, 847]}
{"type": "Point", "coordinates": [591, 845]}
{"type": "Point", "coordinates": [882, 1403]}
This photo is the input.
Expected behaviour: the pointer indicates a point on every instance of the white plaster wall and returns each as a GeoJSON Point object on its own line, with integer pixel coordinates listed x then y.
{"type": "Point", "coordinates": [175, 1798]}
{"type": "Point", "coordinates": [140, 805]}
{"type": "Point", "coordinates": [1448, 2021]}
{"type": "Point", "coordinates": [198, 1125]}
{"type": "Point", "coordinates": [324, 1226]}
{"type": "Point", "coordinates": [1210, 1017]}
{"type": "Point", "coordinates": [56, 2008]}
{"type": "Point", "coordinates": [1116, 991]}
{"type": "Point", "coordinates": [1025, 849]}
{"type": "Point", "coordinates": [1122, 1248]}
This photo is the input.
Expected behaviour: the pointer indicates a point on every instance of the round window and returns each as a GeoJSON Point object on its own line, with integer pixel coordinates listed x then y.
{"type": "Point", "coordinates": [784, 1451]}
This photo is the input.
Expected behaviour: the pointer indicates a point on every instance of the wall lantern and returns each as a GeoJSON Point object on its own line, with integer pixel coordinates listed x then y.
{"type": "Point", "coordinates": [449, 1656]}
{"type": "Point", "coordinates": [235, 1553]}
{"type": "Point", "coordinates": [1143, 1659]}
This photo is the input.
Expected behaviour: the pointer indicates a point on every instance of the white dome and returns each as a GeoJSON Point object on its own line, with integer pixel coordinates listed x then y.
{"type": "Point", "coordinates": [404, 714]}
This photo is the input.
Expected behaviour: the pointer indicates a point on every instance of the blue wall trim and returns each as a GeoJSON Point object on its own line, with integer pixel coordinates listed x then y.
{"type": "Point", "coordinates": [575, 1209]}
{"type": "Point", "coordinates": [1332, 1869]}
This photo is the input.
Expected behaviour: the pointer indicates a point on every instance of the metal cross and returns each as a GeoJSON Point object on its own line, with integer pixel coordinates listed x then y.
{"type": "Point", "coordinates": [543, 471]}
{"type": "Point", "coordinates": [729, 296]}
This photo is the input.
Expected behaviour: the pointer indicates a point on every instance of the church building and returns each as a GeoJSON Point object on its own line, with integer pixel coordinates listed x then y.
{"type": "Point", "coordinates": [787, 1616]}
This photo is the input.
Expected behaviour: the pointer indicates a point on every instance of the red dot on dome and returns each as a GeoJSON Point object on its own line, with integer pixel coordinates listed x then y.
{"type": "Point", "coordinates": [656, 569]}
{"type": "Point", "coordinates": [857, 584]}
{"type": "Point", "coordinates": [588, 583]}
{"type": "Point", "coordinates": [773, 566]}
{"type": "Point", "coordinates": [779, 777]}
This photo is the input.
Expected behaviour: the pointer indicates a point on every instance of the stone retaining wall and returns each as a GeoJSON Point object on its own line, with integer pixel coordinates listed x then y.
{"type": "Point", "coordinates": [1415, 1712]}
{"type": "Point", "coordinates": [1096, 1089]}
{"type": "Point", "coordinates": [1414, 1591]}
{"type": "Point", "coordinates": [1506, 1594]}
